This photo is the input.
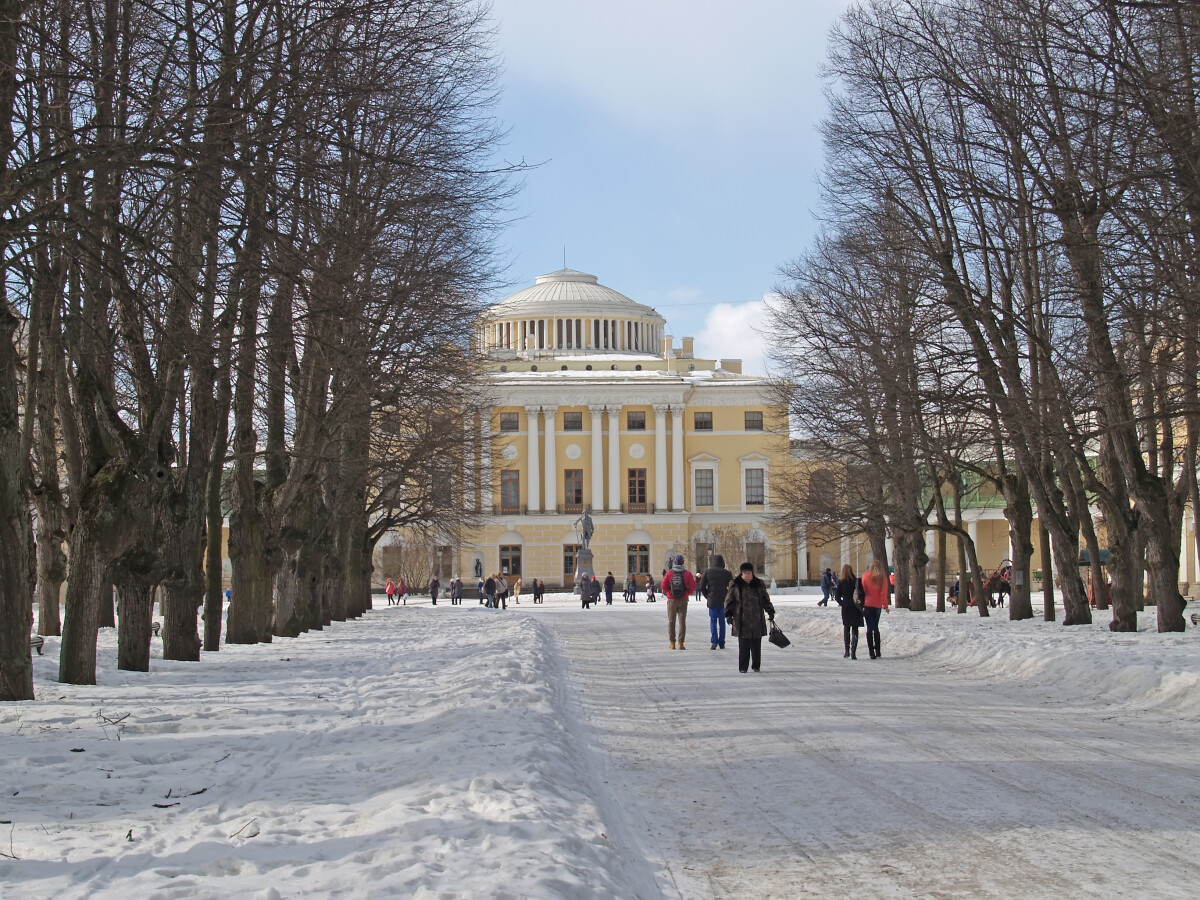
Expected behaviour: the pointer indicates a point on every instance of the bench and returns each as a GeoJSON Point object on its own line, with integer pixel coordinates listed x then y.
{"type": "Point", "coordinates": [37, 642]}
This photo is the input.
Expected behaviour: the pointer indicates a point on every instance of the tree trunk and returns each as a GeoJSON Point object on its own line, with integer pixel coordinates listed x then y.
{"type": "Point", "coordinates": [52, 572]}
{"type": "Point", "coordinates": [1019, 513]}
{"type": "Point", "coordinates": [16, 530]}
{"type": "Point", "coordinates": [136, 598]}
{"type": "Point", "coordinates": [214, 597]}
{"type": "Point", "coordinates": [90, 577]}
{"type": "Point", "coordinates": [920, 566]}
{"type": "Point", "coordinates": [251, 610]}
{"type": "Point", "coordinates": [1048, 613]}
{"type": "Point", "coordinates": [941, 571]}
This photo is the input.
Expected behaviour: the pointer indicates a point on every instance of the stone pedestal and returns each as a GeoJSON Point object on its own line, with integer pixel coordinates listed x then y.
{"type": "Point", "coordinates": [583, 566]}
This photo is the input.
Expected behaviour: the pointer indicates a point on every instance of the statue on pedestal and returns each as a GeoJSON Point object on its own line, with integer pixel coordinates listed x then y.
{"type": "Point", "coordinates": [583, 559]}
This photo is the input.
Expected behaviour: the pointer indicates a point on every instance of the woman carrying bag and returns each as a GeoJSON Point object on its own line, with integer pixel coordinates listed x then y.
{"type": "Point", "coordinates": [747, 608]}
{"type": "Point", "coordinates": [852, 616]}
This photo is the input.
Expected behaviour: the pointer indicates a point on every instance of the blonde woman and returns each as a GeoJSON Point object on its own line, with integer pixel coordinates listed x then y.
{"type": "Point", "coordinates": [875, 594]}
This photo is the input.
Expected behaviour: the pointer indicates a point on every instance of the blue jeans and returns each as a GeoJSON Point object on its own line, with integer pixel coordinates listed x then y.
{"type": "Point", "coordinates": [871, 614]}
{"type": "Point", "coordinates": [716, 625]}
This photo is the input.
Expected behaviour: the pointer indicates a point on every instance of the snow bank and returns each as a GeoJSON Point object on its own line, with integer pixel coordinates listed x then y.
{"type": "Point", "coordinates": [1143, 669]}
{"type": "Point", "coordinates": [415, 753]}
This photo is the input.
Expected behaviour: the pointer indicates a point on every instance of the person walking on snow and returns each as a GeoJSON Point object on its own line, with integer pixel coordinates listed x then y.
{"type": "Point", "coordinates": [390, 588]}
{"type": "Point", "coordinates": [609, 584]}
{"type": "Point", "coordinates": [434, 585]}
{"type": "Point", "coordinates": [714, 584]}
{"type": "Point", "coordinates": [828, 586]}
{"type": "Point", "coordinates": [852, 617]}
{"type": "Point", "coordinates": [650, 589]}
{"type": "Point", "coordinates": [517, 590]}
{"type": "Point", "coordinates": [747, 608]}
{"type": "Point", "coordinates": [489, 590]}
{"type": "Point", "coordinates": [875, 600]}
{"type": "Point", "coordinates": [630, 589]}
{"type": "Point", "coordinates": [678, 585]}
{"type": "Point", "coordinates": [402, 590]}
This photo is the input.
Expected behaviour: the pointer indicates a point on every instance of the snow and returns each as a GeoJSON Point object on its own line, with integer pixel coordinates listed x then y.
{"type": "Point", "coordinates": [548, 751]}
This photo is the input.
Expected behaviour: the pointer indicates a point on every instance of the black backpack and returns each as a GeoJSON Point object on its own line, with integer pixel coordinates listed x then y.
{"type": "Point", "coordinates": [678, 585]}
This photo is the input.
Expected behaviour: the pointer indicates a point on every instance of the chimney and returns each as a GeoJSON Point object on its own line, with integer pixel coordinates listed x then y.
{"type": "Point", "coordinates": [668, 346]}
{"type": "Point", "coordinates": [732, 365]}
{"type": "Point", "coordinates": [688, 342]}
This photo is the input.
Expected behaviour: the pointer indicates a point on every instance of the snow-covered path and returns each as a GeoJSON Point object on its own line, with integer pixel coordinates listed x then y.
{"type": "Point", "coordinates": [893, 778]}
{"type": "Point", "coordinates": [552, 752]}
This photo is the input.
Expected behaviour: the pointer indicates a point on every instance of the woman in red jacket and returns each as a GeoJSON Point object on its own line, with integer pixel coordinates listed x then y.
{"type": "Point", "coordinates": [875, 594]}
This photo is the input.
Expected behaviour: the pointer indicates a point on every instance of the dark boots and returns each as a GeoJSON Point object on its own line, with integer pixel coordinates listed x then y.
{"type": "Point", "coordinates": [854, 645]}
{"type": "Point", "coordinates": [873, 644]}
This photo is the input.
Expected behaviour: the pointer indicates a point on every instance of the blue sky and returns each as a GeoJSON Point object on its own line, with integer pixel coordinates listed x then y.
{"type": "Point", "coordinates": [678, 150]}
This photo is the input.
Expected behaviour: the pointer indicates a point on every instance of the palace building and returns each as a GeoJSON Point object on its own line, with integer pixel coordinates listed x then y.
{"type": "Point", "coordinates": [594, 406]}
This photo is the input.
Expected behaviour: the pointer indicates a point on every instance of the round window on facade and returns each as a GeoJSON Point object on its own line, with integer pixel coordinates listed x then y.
{"type": "Point", "coordinates": [690, 368]}
{"type": "Point", "coordinates": [504, 368]}
{"type": "Point", "coordinates": [638, 367]}
{"type": "Point", "coordinates": [589, 367]}
{"type": "Point", "coordinates": [564, 368]}
{"type": "Point", "coordinates": [533, 368]}
{"type": "Point", "coordinates": [613, 367]}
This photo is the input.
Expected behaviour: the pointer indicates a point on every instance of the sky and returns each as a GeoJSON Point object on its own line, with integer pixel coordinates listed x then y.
{"type": "Point", "coordinates": [675, 148]}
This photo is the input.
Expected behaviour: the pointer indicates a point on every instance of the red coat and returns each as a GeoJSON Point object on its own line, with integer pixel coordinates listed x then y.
{"type": "Point", "coordinates": [873, 596]}
{"type": "Point", "coordinates": [689, 581]}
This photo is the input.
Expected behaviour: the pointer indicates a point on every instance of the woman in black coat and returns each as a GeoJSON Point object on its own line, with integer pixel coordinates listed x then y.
{"type": "Point", "coordinates": [852, 617]}
{"type": "Point", "coordinates": [747, 609]}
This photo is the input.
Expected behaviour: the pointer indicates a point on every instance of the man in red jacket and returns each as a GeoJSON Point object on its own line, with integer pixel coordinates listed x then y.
{"type": "Point", "coordinates": [678, 584]}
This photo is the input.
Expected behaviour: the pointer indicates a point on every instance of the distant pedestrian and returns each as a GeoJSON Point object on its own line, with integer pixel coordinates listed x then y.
{"type": "Point", "coordinates": [747, 609]}
{"type": "Point", "coordinates": [595, 586]}
{"type": "Point", "coordinates": [517, 590]}
{"type": "Point", "coordinates": [434, 587]}
{"type": "Point", "coordinates": [479, 587]}
{"type": "Point", "coordinates": [402, 590]}
{"type": "Point", "coordinates": [650, 590]}
{"type": "Point", "coordinates": [585, 591]}
{"type": "Point", "coordinates": [390, 590]}
{"type": "Point", "coordinates": [828, 586]}
{"type": "Point", "coordinates": [489, 590]}
{"type": "Point", "coordinates": [502, 591]}
{"type": "Point", "coordinates": [456, 591]}
{"type": "Point", "coordinates": [610, 584]}
{"type": "Point", "coordinates": [678, 585]}
{"type": "Point", "coordinates": [875, 601]}
{"type": "Point", "coordinates": [539, 590]}
{"type": "Point", "coordinates": [852, 616]}
{"type": "Point", "coordinates": [699, 594]}
{"type": "Point", "coordinates": [714, 584]}
{"type": "Point", "coordinates": [630, 588]}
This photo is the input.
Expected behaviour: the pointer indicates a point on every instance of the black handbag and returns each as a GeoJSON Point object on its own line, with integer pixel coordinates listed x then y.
{"type": "Point", "coordinates": [777, 637]}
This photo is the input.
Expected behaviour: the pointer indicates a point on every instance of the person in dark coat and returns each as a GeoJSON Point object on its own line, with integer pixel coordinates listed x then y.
{"type": "Point", "coordinates": [610, 585]}
{"type": "Point", "coordinates": [489, 590]}
{"type": "Point", "coordinates": [828, 586]}
{"type": "Point", "coordinates": [596, 591]}
{"type": "Point", "coordinates": [585, 591]}
{"type": "Point", "coordinates": [747, 608]}
{"type": "Point", "coordinates": [714, 585]}
{"type": "Point", "coordinates": [434, 584]}
{"type": "Point", "coordinates": [852, 617]}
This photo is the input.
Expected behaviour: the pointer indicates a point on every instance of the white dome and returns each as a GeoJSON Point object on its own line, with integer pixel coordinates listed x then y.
{"type": "Point", "coordinates": [571, 293]}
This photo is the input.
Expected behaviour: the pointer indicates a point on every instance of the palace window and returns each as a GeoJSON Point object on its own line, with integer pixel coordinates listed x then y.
{"type": "Point", "coordinates": [573, 487]}
{"type": "Point", "coordinates": [637, 559]}
{"type": "Point", "coordinates": [570, 556]}
{"type": "Point", "coordinates": [510, 559]}
{"type": "Point", "coordinates": [756, 553]}
{"type": "Point", "coordinates": [509, 421]}
{"type": "Point", "coordinates": [635, 420]}
{"type": "Point", "coordinates": [572, 421]}
{"type": "Point", "coordinates": [637, 488]}
{"type": "Point", "coordinates": [754, 487]}
{"type": "Point", "coordinates": [704, 487]}
{"type": "Point", "coordinates": [754, 420]}
{"type": "Point", "coordinates": [703, 421]}
{"type": "Point", "coordinates": [510, 491]}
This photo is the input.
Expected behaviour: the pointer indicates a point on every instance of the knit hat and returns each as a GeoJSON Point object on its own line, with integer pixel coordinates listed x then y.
{"type": "Point", "coordinates": [747, 567]}
{"type": "Point", "coordinates": [679, 559]}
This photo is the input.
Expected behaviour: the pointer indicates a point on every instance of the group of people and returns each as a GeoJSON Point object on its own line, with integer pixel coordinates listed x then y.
{"type": "Point", "coordinates": [863, 600]}
{"type": "Point", "coordinates": [397, 592]}
{"type": "Point", "coordinates": [741, 602]}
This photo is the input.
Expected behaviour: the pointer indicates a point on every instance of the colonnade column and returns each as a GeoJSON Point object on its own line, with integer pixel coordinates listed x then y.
{"type": "Point", "coordinates": [550, 500]}
{"type": "Point", "coordinates": [614, 459]}
{"type": "Point", "coordinates": [660, 457]}
{"type": "Point", "coordinates": [597, 457]}
{"type": "Point", "coordinates": [485, 463]}
{"type": "Point", "coordinates": [533, 499]}
{"type": "Point", "coordinates": [677, 502]}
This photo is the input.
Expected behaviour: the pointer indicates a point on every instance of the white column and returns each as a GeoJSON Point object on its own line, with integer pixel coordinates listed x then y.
{"type": "Point", "coordinates": [844, 553]}
{"type": "Point", "coordinates": [550, 500]}
{"type": "Point", "coordinates": [677, 499]}
{"type": "Point", "coordinates": [533, 466]}
{"type": "Point", "coordinates": [660, 457]}
{"type": "Point", "coordinates": [614, 459]}
{"type": "Point", "coordinates": [597, 457]}
{"type": "Point", "coordinates": [485, 462]}
{"type": "Point", "coordinates": [802, 558]}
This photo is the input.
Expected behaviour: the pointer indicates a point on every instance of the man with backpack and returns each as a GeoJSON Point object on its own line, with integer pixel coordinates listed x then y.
{"type": "Point", "coordinates": [678, 584]}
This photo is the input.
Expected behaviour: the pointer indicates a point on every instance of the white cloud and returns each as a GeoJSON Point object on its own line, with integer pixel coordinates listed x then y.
{"type": "Point", "coordinates": [737, 331]}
